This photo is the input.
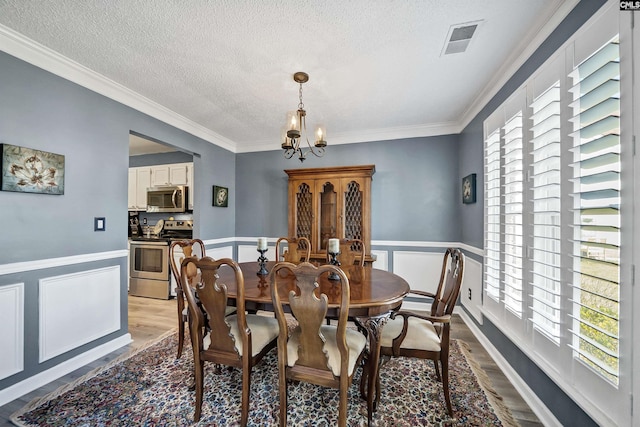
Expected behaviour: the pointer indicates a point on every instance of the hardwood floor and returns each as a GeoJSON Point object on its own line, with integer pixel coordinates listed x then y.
{"type": "Point", "coordinates": [516, 404]}
{"type": "Point", "coordinates": [150, 318]}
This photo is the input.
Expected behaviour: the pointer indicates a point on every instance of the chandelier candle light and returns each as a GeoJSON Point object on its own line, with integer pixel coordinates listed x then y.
{"type": "Point", "coordinates": [333, 249]}
{"type": "Point", "coordinates": [262, 260]}
{"type": "Point", "coordinates": [297, 124]}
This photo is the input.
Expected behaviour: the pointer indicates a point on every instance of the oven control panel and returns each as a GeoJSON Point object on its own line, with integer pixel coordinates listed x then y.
{"type": "Point", "coordinates": [178, 225]}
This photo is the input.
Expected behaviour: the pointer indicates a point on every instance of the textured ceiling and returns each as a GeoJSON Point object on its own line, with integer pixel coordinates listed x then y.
{"type": "Point", "coordinates": [376, 69]}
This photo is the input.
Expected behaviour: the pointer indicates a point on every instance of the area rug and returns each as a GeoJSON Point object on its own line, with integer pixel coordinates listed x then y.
{"type": "Point", "coordinates": [150, 387]}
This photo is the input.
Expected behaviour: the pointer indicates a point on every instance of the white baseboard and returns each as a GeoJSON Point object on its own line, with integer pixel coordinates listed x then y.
{"type": "Point", "coordinates": [32, 383]}
{"type": "Point", "coordinates": [537, 406]}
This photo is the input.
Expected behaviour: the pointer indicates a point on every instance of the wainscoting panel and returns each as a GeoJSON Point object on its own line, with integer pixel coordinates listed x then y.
{"type": "Point", "coordinates": [77, 308]}
{"type": "Point", "coordinates": [420, 269]}
{"type": "Point", "coordinates": [12, 330]}
{"type": "Point", "coordinates": [222, 252]}
{"type": "Point", "coordinates": [471, 289]}
{"type": "Point", "coordinates": [382, 261]}
{"type": "Point", "coordinates": [248, 253]}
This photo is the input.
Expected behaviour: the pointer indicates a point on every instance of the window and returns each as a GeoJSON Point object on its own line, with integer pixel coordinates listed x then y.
{"type": "Point", "coordinates": [558, 209]}
{"type": "Point", "coordinates": [594, 191]}
{"type": "Point", "coordinates": [492, 215]}
{"type": "Point", "coordinates": [512, 248]}
{"type": "Point", "coordinates": [596, 219]}
{"type": "Point", "coordinates": [545, 188]}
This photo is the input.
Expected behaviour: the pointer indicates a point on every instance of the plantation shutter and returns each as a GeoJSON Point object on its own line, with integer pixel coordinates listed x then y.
{"type": "Point", "coordinates": [545, 186]}
{"type": "Point", "coordinates": [492, 215]}
{"type": "Point", "coordinates": [596, 255]}
{"type": "Point", "coordinates": [513, 180]}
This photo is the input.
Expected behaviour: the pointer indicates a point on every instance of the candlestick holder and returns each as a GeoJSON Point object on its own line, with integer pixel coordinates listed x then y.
{"type": "Point", "coordinates": [334, 261]}
{"type": "Point", "coordinates": [262, 260]}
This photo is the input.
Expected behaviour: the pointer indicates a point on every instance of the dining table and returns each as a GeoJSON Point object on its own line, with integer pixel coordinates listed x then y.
{"type": "Point", "coordinates": [374, 295]}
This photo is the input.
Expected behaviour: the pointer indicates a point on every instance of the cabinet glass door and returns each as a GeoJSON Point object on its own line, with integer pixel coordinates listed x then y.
{"type": "Point", "coordinates": [328, 214]}
{"type": "Point", "coordinates": [353, 211]}
{"type": "Point", "coordinates": [304, 211]}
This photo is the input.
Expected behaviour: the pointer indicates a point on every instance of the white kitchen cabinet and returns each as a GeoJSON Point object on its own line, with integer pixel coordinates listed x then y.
{"type": "Point", "coordinates": [159, 175]}
{"type": "Point", "coordinates": [143, 177]}
{"type": "Point", "coordinates": [172, 174]}
{"type": "Point", "coordinates": [133, 195]}
{"type": "Point", "coordinates": [178, 174]}
{"type": "Point", "coordinates": [139, 181]}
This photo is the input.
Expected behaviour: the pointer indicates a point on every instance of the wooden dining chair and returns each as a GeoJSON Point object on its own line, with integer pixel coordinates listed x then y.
{"type": "Point", "coordinates": [426, 336]}
{"type": "Point", "coordinates": [298, 250]}
{"type": "Point", "coordinates": [239, 340]}
{"type": "Point", "coordinates": [325, 355]}
{"type": "Point", "coordinates": [352, 251]}
{"type": "Point", "coordinates": [187, 247]}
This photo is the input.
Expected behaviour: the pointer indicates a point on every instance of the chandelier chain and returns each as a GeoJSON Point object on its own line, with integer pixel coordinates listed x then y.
{"type": "Point", "coordinates": [300, 105]}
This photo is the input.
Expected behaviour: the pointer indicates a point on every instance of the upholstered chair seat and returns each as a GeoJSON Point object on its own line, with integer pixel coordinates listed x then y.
{"type": "Point", "coordinates": [263, 331]}
{"type": "Point", "coordinates": [421, 334]}
{"type": "Point", "coordinates": [356, 343]}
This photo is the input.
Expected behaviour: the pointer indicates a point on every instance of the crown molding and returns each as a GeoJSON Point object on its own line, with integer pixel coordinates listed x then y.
{"type": "Point", "coordinates": [530, 43]}
{"type": "Point", "coordinates": [386, 134]}
{"type": "Point", "coordinates": [16, 44]}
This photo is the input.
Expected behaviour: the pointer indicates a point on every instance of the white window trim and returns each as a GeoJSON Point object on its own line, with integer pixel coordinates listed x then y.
{"type": "Point", "coordinates": [605, 403]}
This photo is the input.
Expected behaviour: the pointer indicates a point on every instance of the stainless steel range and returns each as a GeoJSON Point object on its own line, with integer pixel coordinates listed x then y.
{"type": "Point", "coordinates": [149, 271]}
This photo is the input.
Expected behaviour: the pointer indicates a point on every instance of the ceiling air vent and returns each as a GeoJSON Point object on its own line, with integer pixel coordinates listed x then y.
{"type": "Point", "coordinates": [459, 37]}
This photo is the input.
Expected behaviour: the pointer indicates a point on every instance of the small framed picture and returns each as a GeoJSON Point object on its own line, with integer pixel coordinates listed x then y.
{"type": "Point", "coordinates": [220, 196]}
{"type": "Point", "coordinates": [469, 189]}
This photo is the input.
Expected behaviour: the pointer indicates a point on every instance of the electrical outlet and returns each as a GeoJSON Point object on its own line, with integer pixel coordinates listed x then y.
{"type": "Point", "coordinates": [469, 293]}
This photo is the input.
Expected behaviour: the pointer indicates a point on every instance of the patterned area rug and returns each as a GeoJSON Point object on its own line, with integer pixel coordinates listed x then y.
{"type": "Point", "coordinates": [150, 387]}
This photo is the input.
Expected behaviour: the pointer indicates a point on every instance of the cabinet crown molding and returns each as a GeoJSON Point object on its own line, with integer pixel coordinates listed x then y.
{"type": "Point", "coordinates": [343, 171]}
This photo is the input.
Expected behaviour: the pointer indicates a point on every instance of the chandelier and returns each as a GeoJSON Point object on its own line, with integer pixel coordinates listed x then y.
{"type": "Point", "coordinates": [297, 125]}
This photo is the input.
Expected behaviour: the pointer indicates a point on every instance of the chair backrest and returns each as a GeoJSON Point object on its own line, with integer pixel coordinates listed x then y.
{"type": "Point", "coordinates": [189, 246]}
{"type": "Point", "coordinates": [350, 250]}
{"type": "Point", "coordinates": [298, 249]}
{"type": "Point", "coordinates": [450, 281]}
{"type": "Point", "coordinates": [310, 312]}
{"type": "Point", "coordinates": [212, 298]}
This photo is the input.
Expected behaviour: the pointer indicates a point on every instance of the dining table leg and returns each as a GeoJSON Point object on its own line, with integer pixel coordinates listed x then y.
{"type": "Point", "coordinates": [373, 326]}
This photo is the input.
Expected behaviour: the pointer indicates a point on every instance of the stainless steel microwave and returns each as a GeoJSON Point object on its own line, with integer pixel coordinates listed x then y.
{"type": "Point", "coordinates": [172, 198]}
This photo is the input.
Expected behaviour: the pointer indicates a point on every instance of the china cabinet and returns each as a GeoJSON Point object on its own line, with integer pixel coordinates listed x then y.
{"type": "Point", "coordinates": [330, 202]}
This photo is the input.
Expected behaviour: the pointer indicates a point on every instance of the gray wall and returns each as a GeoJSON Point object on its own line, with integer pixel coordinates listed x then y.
{"type": "Point", "coordinates": [42, 111]}
{"type": "Point", "coordinates": [415, 194]}
{"type": "Point", "coordinates": [160, 159]}
{"type": "Point", "coordinates": [39, 110]}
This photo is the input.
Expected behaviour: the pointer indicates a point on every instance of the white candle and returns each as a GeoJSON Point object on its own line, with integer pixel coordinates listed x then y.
{"type": "Point", "coordinates": [334, 246]}
{"type": "Point", "coordinates": [262, 243]}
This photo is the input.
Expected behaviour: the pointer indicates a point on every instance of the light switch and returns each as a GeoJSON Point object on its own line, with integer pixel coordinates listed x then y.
{"type": "Point", "coordinates": [99, 224]}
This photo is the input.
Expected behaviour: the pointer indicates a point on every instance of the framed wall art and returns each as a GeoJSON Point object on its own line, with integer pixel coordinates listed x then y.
{"type": "Point", "coordinates": [26, 170]}
{"type": "Point", "coordinates": [220, 196]}
{"type": "Point", "coordinates": [469, 189]}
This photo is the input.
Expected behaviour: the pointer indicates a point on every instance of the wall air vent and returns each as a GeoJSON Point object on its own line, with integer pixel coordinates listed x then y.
{"type": "Point", "coordinates": [459, 37]}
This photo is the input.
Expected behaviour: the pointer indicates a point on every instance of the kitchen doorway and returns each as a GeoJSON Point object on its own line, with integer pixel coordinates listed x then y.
{"type": "Point", "coordinates": [156, 165]}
